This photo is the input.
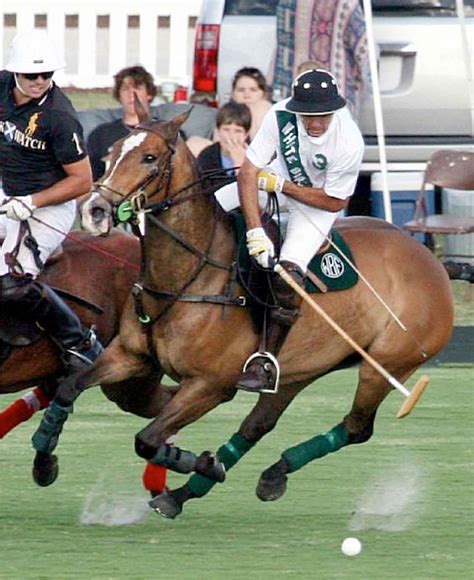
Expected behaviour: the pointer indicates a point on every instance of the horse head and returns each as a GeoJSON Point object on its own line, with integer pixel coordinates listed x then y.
{"type": "Point", "coordinates": [139, 173]}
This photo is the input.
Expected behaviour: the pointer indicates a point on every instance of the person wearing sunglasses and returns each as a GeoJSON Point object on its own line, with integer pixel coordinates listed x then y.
{"type": "Point", "coordinates": [44, 167]}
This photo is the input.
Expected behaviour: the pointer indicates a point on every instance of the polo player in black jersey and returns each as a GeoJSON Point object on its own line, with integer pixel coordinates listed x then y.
{"type": "Point", "coordinates": [44, 166]}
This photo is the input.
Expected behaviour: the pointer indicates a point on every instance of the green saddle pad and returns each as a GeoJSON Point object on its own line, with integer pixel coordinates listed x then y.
{"type": "Point", "coordinates": [330, 266]}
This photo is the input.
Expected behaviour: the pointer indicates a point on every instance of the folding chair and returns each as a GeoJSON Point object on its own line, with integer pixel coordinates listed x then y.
{"type": "Point", "coordinates": [455, 170]}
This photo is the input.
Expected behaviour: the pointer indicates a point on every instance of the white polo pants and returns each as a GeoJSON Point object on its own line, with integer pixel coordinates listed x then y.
{"type": "Point", "coordinates": [56, 222]}
{"type": "Point", "coordinates": [306, 229]}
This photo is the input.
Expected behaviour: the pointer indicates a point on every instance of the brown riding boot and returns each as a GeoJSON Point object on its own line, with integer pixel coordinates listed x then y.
{"type": "Point", "coordinates": [261, 371]}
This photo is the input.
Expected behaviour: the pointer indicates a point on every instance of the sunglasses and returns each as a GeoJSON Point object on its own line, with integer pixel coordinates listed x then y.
{"type": "Point", "coordinates": [33, 76]}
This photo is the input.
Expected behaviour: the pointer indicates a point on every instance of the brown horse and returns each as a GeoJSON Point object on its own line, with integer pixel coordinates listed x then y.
{"type": "Point", "coordinates": [96, 278]}
{"type": "Point", "coordinates": [200, 332]}
{"type": "Point", "coordinates": [100, 272]}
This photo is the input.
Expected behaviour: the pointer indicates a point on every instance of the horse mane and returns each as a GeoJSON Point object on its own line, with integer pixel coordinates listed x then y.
{"type": "Point", "coordinates": [199, 177]}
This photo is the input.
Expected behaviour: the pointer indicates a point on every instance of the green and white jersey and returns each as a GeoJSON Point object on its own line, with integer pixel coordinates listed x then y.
{"type": "Point", "coordinates": [330, 162]}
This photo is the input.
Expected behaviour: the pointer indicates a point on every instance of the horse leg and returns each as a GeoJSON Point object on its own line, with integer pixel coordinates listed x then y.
{"type": "Point", "coordinates": [114, 365]}
{"type": "Point", "coordinates": [356, 427]}
{"type": "Point", "coordinates": [195, 397]}
{"type": "Point", "coordinates": [23, 409]}
{"type": "Point", "coordinates": [261, 420]}
{"type": "Point", "coordinates": [145, 398]}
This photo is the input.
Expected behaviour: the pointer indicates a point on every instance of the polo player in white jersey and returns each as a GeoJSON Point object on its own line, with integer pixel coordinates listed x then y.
{"type": "Point", "coordinates": [307, 152]}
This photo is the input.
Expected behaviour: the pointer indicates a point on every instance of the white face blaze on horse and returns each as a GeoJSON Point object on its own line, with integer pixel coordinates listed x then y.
{"type": "Point", "coordinates": [96, 212]}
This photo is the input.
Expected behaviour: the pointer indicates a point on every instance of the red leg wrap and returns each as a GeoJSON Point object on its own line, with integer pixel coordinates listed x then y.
{"type": "Point", "coordinates": [15, 414]}
{"type": "Point", "coordinates": [44, 401]}
{"type": "Point", "coordinates": [22, 409]}
{"type": "Point", "coordinates": [154, 478]}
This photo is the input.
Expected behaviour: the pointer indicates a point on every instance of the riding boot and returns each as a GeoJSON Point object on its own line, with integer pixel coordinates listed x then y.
{"type": "Point", "coordinates": [261, 371]}
{"type": "Point", "coordinates": [39, 304]}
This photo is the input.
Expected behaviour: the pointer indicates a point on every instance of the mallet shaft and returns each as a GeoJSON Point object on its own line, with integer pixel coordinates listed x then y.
{"type": "Point", "coordinates": [307, 298]}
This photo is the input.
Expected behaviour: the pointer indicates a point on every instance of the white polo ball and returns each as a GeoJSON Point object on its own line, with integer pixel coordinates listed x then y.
{"type": "Point", "coordinates": [351, 547]}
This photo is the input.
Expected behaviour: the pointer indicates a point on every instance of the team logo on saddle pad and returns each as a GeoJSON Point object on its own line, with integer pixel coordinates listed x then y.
{"type": "Point", "coordinates": [332, 266]}
{"type": "Point", "coordinates": [320, 161]}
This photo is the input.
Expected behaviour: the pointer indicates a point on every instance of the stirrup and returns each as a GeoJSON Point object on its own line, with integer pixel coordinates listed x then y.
{"type": "Point", "coordinates": [87, 351]}
{"type": "Point", "coordinates": [271, 360]}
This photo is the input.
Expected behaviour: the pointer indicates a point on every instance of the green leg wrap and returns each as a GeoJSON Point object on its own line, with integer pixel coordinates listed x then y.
{"type": "Point", "coordinates": [174, 458]}
{"type": "Point", "coordinates": [228, 454]}
{"type": "Point", "coordinates": [46, 437]}
{"type": "Point", "coordinates": [316, 447]}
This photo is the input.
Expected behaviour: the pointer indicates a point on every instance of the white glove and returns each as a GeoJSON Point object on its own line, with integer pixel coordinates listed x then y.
{"type": "Point", "coordinates": [270, 181]}
{"type": "Point", "coordinates": [260, 246]}
{"type": "Point", "coordinates": [18, 208]}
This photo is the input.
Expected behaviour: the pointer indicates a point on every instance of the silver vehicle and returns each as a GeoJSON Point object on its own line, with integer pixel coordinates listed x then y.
{"type": "Point", "coordinates": [425, 92]}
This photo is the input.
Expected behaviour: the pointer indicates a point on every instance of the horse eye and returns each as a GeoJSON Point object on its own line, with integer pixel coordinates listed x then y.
{"type": "Point", "coordinates": [149, 158]}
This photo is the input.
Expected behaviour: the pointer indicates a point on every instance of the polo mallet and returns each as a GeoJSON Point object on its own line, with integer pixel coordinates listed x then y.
{"type": "Point", "coordinates": [411, 397]}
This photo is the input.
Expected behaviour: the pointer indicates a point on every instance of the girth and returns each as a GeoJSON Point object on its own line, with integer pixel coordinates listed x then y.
{"type": "Point", "coordinates": [209, 298]}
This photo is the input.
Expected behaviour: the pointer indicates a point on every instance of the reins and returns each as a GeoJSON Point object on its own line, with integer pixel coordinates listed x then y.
{"type": "Point", "coordinates": [137, 201]}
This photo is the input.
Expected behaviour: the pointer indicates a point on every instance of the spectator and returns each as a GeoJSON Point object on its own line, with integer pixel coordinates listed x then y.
{"type": "Point", "coordinates": [233, 123]}
{"type": "Point", "coordinates": [250, 88]}
{"type": "Point", "coordinates": [128, 82]}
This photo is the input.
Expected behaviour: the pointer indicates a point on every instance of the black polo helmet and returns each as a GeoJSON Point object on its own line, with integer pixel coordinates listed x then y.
{"type": "Point", "coordinates": [315, 92]}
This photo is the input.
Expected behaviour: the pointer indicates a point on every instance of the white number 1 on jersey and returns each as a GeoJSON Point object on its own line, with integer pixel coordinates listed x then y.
{"type": "Point", "coordinates": [77, 143]}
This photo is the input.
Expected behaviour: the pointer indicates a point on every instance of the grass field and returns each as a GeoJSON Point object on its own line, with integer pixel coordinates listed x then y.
{"type": "Point", "coordinates": [408, 494]}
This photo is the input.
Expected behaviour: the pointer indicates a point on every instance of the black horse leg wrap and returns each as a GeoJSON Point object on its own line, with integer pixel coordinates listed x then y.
{"type": "Point", "coordinates": [174, 458]}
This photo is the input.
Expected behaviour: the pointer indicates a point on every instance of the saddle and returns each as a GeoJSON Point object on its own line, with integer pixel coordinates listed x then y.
{"type": "Point", "coordinates": [16, 332]}
{"type": "Point", "coordinates": [328, 271]}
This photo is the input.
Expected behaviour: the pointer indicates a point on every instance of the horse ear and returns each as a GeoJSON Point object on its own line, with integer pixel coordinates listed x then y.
{"type": "Point", "coordinates": [142, 114]}
{"type": "Point", "coordinates": [173, 126]}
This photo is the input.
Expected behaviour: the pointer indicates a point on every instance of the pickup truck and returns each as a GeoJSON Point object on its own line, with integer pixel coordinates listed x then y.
{"type": "Point", "coordinates": [426, 94]}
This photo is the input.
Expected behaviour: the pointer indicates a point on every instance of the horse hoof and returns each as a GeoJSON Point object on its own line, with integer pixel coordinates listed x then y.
{"type": "Point", "coordinates": [209, 466]}
{"type": "Point", "coordinates": [273, 481]}
{"type": "Point", "coordinates": [271, 489]}
{"type": "Point", "coordinates": [166, 505]}
{"type": "Point", "coordinates": [45, 469]}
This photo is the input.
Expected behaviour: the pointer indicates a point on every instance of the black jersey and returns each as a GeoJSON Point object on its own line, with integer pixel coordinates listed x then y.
{"type": "Point", "coordinates": [36, 139]}
{"type": "Point", "coordinates": [100, 142]}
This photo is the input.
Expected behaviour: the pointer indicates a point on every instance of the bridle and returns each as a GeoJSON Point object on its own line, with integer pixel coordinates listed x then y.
{"type": "Point", "coordinates": [138, 200]}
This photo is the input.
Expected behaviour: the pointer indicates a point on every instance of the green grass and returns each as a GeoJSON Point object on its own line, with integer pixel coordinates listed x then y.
{"type": "Point", "coordinates": [424, 460]}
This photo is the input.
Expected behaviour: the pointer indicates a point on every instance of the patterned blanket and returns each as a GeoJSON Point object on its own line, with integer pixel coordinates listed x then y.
{"type": "Point", "coordinates": [330, 32]}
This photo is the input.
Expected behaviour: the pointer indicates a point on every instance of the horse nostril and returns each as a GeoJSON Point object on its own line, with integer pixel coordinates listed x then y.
{"type": "Point", "coordinates": [98, 214]}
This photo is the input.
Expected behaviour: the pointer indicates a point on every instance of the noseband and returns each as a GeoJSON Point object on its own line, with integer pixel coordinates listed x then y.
{"type": "Point", "coordinates": [136, 200]}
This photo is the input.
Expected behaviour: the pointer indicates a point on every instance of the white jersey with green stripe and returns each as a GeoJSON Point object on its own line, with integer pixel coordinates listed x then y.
{"type": "Point", "coordinates": [331, 161]}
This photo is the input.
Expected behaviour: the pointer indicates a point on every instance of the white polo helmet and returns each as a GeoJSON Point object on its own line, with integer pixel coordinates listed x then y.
{"type": "Point", "coordinates": [34, 52]}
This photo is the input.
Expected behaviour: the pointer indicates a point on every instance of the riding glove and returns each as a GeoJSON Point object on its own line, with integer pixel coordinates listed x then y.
{"type": "Point", "coordinates": [270, 181]}
{"type": "Point", "coordinates": [18, 208]}
{"type": "Point", "coordinates": [260, 246]}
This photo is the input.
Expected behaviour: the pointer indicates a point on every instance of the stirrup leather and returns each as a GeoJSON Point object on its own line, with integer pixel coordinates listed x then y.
{"type": "Point", "coordinates": [272, 360]}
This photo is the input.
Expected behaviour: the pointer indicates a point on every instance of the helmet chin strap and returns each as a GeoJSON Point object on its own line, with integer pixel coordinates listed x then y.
{"type": "Point", "coordinates": [19, 87]}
